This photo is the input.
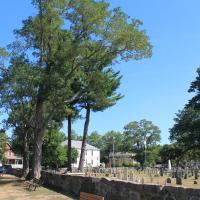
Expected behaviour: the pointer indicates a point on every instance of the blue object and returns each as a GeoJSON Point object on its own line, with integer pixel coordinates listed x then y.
{"type": "Point", "coordinates": [8, 169]}
{"type": "Point", "coordinates": [2, 170]}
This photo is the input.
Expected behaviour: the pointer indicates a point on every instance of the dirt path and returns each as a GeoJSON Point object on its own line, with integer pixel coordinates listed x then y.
{"type": "Point", "coordinates": [13, 188]}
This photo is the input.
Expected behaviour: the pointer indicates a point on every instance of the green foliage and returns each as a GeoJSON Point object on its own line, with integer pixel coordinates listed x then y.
{"type": "Point", "coordinates": [135, 135]}
{"type": "Point", "coordinates": [95, 139]}
{"type": "Point", "coordinates": [131, 140]}
{"type": "Point", "coordinates": [137, 132]}
{"type": "Point", "coordinates": [54, 153]}
{"type": "Point", "coordinates": [185, 132]}
{"type": "Point", "coordinates": [3, 140]}
{"type": "Point", "coordinates": [74, 155]}
{"type": "Point", "coordinates": [76, 136]}
{"type": "Point", "coordinates": [107, 146]}
{"type": "Point", "coordinates": [66, 49]}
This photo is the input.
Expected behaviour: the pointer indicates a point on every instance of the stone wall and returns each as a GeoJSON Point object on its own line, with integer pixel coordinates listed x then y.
{"type": "Point", "coordinates": [118, 190]}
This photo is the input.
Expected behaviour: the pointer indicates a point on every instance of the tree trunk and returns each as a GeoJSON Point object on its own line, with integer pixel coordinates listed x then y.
{"type": "Point", "coordinates": [39, 134]}
{"type": "Point", "coordinates": [69, 146]}
{"type": "Point", "coordinates": [26, 154]}
{"type": "Point", "coordinates": [38, 154]}
{"type": "Point", "coordinates": [85, 133]}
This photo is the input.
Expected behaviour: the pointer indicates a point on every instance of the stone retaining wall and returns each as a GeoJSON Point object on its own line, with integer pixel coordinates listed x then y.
{"type": "Point", "coordinates": [116, 190]}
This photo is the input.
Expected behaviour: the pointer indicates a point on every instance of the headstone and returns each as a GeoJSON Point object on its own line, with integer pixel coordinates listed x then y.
{"type": "Point", "coordinates": [173, 174]}
{"type": "Point", "coordinates": [107, 174]}
{"type": "Point", "coordinates": [169, 180]}
{"type": "Point", "coordinates": [131, 176]}
{"type": "Point", "coordinates": [125, 174]}
{"type": "Point", "coordinates": [196, 176]}
{"type": "Point", "coordinates": [119, 175]}
{"type": "Point", "coordinates": [178, 181]}
{"type": "Point", "coordinates": [195, 182]}
{"type": "Point", "coordinates": [161, 171]}
{"type": "Point", "coordinates": [176, 174]}
{"type": "Point", "coordinates": [185, 176]}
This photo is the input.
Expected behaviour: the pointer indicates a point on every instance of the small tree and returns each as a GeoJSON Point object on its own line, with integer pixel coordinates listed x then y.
{"type": "Point", "coordinates": [55, 154]}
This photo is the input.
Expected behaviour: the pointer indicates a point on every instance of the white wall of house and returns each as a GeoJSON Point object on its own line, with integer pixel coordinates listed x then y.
{"type": "Point", "coordinates": [92, 158]}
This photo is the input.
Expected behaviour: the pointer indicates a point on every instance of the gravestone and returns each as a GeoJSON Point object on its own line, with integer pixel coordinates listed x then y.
{"type": "Point", "coordinates": [178, 181]}
{"type": "Point", "coordinates": [195, 182]}
{"type": "Point", "coordinates": [169, 180]}
{"type": "Point", "coordinates": [185, 176]}
{"type": "Point", "coordinates": [173, 174]}
{"type": "Point", "coordinates": [125, 174]}
{"type": "Point", "coordinates": [119, 175]}
{"type": "Point", "coordinates": [161, 171]}
{"type": "Point", "coordinates": [196, 176]}
{"type": "Point", "coordinates": [131, 176]}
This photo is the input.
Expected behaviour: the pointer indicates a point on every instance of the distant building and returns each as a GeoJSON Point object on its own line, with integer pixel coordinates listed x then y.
{"type": "Point", "coordinates": [121, 159]}
{"type": "Point", "coordinates": [92, 154]}
{"type": "Point", "coordinates": [12, 158]}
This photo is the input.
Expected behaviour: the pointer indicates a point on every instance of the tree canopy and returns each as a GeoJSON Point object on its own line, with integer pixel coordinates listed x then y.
{"type": "Point", "coordinates": [55, 59]}
{"type": "Point", "coordinates": [185, 132]}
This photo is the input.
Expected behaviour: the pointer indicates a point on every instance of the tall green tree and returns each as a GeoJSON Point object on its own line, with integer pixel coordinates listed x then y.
{"type": "Point", "coordinates": [185, 132]}
{"type": "Point", "coordinates": [100, 94]}
{"type": "Point", "coordinates": [139, 136]}
{"type": "Point", "coordinates": [17, 96]}
{"type": "Point", "coordinates": [64, 38]}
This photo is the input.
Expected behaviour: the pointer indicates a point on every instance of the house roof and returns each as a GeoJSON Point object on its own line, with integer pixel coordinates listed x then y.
{"type": "Point", "coordinates": [77, 145]}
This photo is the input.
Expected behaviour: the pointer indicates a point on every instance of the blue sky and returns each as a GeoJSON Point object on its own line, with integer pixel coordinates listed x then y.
{"type": "Point", "coordinates": [154, 88]}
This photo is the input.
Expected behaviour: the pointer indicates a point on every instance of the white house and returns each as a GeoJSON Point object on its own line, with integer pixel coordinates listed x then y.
{"type": "Point", "coordinates": [92, 154]}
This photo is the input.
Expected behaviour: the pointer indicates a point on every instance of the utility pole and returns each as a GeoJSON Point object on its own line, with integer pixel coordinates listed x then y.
{"type": "Point", "coordinates": [113, 152]}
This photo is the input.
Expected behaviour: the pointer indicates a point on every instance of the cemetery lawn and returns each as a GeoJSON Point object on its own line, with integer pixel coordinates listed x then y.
{"type": "Point", "coordinates": [189, 183]}
{"type": "Point", "coordinates": [144, 177]}
{"type": "Point", "coordinates": [13, 188]}
{"type": "Point", "coordinates": [161, 180]}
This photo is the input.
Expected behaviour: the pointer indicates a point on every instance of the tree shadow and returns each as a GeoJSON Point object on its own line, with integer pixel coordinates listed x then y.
{"type": "Point", "coordinates": [61, 192]}
{"type": "Point", "coordinates": [15, 182]}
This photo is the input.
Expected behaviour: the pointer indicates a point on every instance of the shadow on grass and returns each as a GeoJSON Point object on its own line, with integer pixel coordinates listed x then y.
{"type": "Point", "coordinates": [61, 192]}
{"type": "Point", "coordinates": [10, 181]}
{"type": "Point", "coordinates": [33, 192]}
{"type": "Point", "coordinates": [7, 177]}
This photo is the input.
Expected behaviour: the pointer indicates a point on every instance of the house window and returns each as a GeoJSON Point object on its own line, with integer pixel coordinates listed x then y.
{"type": "Point", "coordinates": [92, 162]}
{"type": "Point", "coordinates": [10, 153]}
{"type": "Point", "coordinates": [92, 152]}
